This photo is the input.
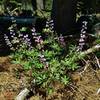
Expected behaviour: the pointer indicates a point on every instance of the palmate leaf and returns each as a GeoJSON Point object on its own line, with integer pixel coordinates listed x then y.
{"type": "Point", "coordinates": [26, 65]}
{"type": "Point", "coordinates": [38, 65]}
{"type": "Point", "coordinates": [16, 62]}
{"type": "Point", "coordinates": [49, 54]}
{"type": "Point", "coordinates": [56, 47]}
{"type": "Point", "coordinates": [65, 79]}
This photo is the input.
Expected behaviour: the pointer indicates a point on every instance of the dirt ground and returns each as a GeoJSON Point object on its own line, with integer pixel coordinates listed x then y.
{"type": "Point", "coordinates": [85, 84]}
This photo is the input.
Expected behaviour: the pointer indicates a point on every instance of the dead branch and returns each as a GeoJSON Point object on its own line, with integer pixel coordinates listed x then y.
{"type": "Point", "coordinates": [85, 68]}
{"type": "Point", "coordinates": [22, 95]}
{"type": "Point", "coordinates": [98, 91]}
{"type": "Point", "coordinates": [91, 50]}
{"type": "Point", "coordinates": [97, 60]}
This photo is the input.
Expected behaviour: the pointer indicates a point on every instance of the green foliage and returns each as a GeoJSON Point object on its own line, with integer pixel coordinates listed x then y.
{"type": "Point", "coordinates": [58, 64]}
{"type": "Point", "coordinates": [87, 6]}
{"type": "Point", "coordinates": [97, 41]}
{"type": "Point", "coordinates": [70, 61]}
{"type": "Point", "coordinates": [48, 4]}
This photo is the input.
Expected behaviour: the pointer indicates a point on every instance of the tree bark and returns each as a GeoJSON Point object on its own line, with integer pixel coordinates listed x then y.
{"type": "Point", "coordinates": [64, 15]}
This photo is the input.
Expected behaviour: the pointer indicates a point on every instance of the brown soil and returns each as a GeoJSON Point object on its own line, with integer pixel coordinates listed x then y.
{"type": "Point", "coordinates": [12, 80]}
{"type": "Point", "coordinates": [84, 86]}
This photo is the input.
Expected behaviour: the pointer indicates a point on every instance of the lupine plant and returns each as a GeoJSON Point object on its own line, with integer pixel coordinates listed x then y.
{"type": "Point", "coordinates": [47, 59]}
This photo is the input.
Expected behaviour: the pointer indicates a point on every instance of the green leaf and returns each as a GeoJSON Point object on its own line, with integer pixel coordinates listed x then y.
{"type": "Point", "coordinates": [65, 79]}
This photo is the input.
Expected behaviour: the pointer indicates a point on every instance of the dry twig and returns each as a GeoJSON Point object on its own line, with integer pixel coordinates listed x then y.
{"type": "Point", "coordinates": [97, 60]}
{"type": "Point", "coordinates": [22, 95]}
{"type": "Point", "coordinates": [93, 49]}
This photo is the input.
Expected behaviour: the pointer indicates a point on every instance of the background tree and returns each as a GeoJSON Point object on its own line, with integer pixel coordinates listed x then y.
{"type": "Point", "coordinates": [88, 7]}
{"type": "Point", "coordinates": [64, 15]}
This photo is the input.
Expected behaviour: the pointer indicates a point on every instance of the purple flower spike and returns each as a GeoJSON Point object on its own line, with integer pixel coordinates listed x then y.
{"type": "Point", "coordinates": [82, 36]}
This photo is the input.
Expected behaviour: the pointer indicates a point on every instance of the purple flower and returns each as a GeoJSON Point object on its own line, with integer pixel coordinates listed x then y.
{"type": "Point", "coordinates": [46, 65]}
{"type": "Point", "coordinates": [82, 44]}
{"type": "Point", "coordinates": [25, 36]}
{"type": "Point", "coordinates": [47, 24]}
{"type": "Point", "coordinates": [85, 23]}
{"type": "Point", "coordinates": [61, 40]}
{"type": "Point", "coordinates": [50, 25]}
{"type": "Point", "coordinates": [43, 60]}
{"type": "Point", "coordinates": [84, 32]}
{"type": "Point", "coordinates": [38, 39]}
{"type": "Point", "coordinates": [81, 40]}
{"type": "Point", "coordinates": [12, 32]}
{"type": "Point", "coordinates": [33, 31]}
{"type": "Point", "coordinates": [7, 40]}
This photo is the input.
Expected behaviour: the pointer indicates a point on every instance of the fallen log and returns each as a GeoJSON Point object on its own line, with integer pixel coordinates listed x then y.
{"type": "Point", "coordinates": [19, 19]}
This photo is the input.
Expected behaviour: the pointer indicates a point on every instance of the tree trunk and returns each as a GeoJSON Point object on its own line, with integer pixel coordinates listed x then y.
{"type": "Point", "coordinates": [40, 4]}
{"type": "Point", "coordinates": [27, 4]}
{"type": "Point", "coordinates": [64, 16]}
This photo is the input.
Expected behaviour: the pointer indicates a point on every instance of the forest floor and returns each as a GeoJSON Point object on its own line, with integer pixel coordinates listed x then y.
{"type": "Point", "coordinates": [85, 84]}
